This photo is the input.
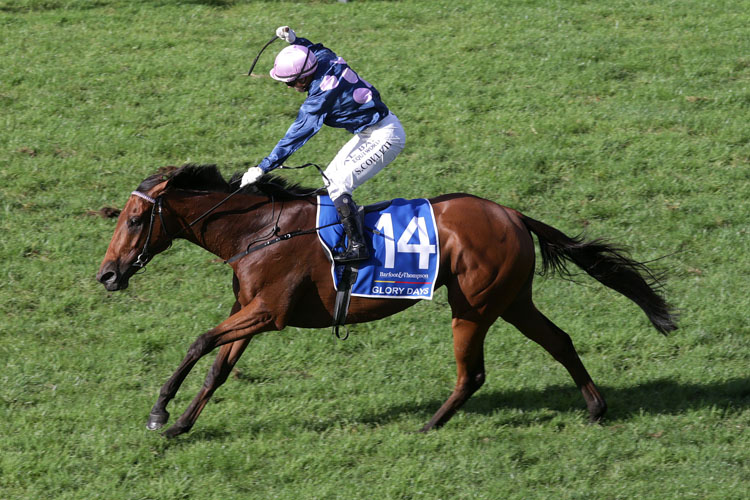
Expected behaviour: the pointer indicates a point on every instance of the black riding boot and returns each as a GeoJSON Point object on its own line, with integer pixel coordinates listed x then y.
{"type": "Point", "coordinates": [356, 249]}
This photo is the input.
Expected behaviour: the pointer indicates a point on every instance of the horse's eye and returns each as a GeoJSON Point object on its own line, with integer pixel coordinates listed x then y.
{"type": "Point", "coordinates": [134, 221]}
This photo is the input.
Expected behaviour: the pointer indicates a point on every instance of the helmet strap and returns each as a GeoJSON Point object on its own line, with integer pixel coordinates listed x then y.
{"type": "Point", "coordinates": [302, 69]}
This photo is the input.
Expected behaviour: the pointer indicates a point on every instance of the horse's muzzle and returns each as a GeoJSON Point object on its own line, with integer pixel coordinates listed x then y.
{"type": "Point", "coordinates": [110, 276]}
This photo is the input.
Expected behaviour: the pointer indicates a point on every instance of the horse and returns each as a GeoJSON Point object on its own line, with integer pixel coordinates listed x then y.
{"type": "Point", "coordinates": [487, 263]}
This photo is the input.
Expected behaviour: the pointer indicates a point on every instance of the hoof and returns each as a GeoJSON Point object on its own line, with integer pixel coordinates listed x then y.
{"type": "Point", "coordinates": [425, 429]}
{"type": "Point", "coordinates": [597, 411]}
{"type": "Point", "coordinates": [596, 417]}
{"type": "Point", "coordinates": [175, 430]}
{"type": "Point", "coordinates": [596, 420]}
{"type": "Point", "coordinates": [157, 420]}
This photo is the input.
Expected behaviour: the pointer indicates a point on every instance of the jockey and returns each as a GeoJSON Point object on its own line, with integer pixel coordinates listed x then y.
{"type": "Point", "coordinates": [340, 98]}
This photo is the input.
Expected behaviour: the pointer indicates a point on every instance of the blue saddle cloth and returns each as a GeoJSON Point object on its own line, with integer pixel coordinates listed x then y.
{"type": "Point", "coordinates": [404, 249]}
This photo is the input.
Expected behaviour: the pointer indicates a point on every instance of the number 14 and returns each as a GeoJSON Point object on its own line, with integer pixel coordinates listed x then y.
{"type": "Point", "coordinates": [424, 248]}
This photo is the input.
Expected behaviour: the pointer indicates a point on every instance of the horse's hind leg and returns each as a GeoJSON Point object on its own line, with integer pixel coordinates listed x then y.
{"type": "Point", "coordinates": [468, 347]}
{"type": "Point", "coordinates": [534, 325]}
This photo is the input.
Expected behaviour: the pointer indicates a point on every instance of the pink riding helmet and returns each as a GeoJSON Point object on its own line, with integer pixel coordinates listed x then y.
{"type": "Point", "coordinates": [294, 62]}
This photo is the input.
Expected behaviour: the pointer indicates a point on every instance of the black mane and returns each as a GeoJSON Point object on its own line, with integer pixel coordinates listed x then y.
{"type": "Point", "coordinates": [207, 178]}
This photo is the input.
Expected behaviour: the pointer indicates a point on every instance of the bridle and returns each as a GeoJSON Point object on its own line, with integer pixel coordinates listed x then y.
{"type": "Point", "coordinates": [145, 256]}
{"type": "Point", "coordinates": [157, 208]}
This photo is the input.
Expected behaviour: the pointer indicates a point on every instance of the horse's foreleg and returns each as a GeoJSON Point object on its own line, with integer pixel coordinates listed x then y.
{"type": "Point", "coordinates": [241, 326]}
{"type": "Point", "coordinates": [468, 348]}
{"type": "Point", "coordinates": [159, 415]}
{"type": "Point", "coordinates": [534, 325]}
{"type": "Point", "coordinates": [225, 360]}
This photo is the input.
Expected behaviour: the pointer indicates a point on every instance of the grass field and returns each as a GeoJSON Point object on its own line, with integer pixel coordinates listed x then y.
{"type": "Point", "coordinates": [629, 120]}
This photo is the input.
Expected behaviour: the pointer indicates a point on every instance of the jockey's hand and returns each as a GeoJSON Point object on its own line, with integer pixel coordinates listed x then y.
{"type": "Point", "coordinates": [286, 33]}
{"type": "Point", "coordinates": [251, 176]}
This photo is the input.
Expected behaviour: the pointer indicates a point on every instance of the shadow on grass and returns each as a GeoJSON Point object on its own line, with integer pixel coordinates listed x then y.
{"type": "Point", "coordinates": [657, 397]}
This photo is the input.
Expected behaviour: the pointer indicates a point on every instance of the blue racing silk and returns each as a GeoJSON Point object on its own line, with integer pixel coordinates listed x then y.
{"type": "Point", "coordinates": [337, 97]}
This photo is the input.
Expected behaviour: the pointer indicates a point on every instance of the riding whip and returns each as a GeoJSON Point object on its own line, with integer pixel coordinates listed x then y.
{"type": "Point", "coordinates": [259, 53]}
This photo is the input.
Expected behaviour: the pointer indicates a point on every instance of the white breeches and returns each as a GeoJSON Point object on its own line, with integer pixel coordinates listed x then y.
{"type": "Point", "coordinates": [366, 154]}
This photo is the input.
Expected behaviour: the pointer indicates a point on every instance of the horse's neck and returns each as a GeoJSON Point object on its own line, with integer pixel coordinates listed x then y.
{"type": "Point", "coordinates": [231, 226]}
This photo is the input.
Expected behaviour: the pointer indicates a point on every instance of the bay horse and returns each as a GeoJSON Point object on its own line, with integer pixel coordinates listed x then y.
{"type": "Point", "coordinates": [487, 263]}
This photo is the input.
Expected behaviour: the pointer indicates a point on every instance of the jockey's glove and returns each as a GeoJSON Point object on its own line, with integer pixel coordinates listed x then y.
{"type": "Point", "coordinates": [286, 33]}
{"type": "Point", "coordinates": [251, 176]}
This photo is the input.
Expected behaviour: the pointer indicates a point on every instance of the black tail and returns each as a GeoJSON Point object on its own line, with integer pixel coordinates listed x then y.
{"type": "Point", "coordinates": [607, 264]}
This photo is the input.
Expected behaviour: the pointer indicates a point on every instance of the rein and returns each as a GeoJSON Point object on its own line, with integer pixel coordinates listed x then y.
{"type": "Point", "coordinates": [250, 248]}
{"type": "Point", "coordinates": [157, 208]}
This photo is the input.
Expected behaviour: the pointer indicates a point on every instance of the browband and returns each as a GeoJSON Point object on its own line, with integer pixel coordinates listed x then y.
{"type": "Point", "coordinates": [143, 196]}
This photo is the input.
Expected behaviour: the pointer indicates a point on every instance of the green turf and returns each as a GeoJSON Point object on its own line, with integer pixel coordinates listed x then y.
{"type": "Point", "coordinates": [629, 120]}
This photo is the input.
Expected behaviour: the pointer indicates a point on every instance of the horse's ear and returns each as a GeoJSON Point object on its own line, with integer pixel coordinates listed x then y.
{"type": "Point", "coordinates": [159, 189]}
{"type": "Point", "coordinates": [166, 175]}
{"type": "Point", "coordinates": [167, 172]}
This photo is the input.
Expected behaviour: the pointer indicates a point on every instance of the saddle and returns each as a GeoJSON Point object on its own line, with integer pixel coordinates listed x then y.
{"type": "Point", "coordinates": [347, 273]}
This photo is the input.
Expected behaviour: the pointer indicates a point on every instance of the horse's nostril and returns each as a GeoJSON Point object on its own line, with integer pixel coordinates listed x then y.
{"type": "Point", "coordinates": [106, 277]}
